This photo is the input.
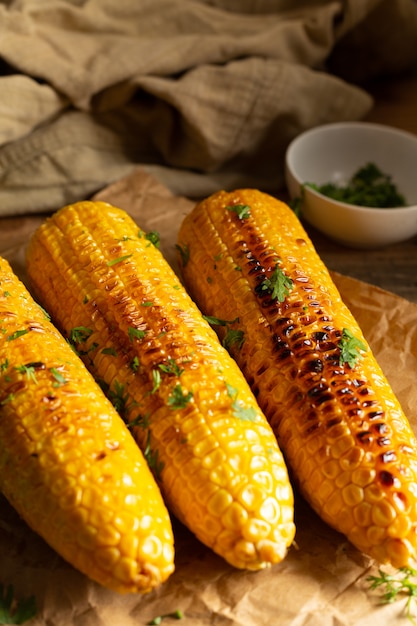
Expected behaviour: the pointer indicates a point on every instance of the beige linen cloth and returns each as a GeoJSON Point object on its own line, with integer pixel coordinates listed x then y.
{"type": "Point", "coordinates": [203, 93]}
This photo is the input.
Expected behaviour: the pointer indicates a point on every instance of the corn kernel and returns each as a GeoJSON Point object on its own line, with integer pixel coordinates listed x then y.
{"type": "Point", "coordinates": [400, 528]}
{"type": "Point", "coordinates": [106, 557]}
{"type": "Point", "coordinates": [363, 514]}
{"type": "Point", "coordinates": [125, 570]}
{"type": "Point", "coordinates": [255, 530]}
{"type": "Point", "coordinates": [383, 513]}
{"type": "Point", "coordinates": [219, 502]}
{"type": "Point", "coordinates": [234, 517]}
{"type": "Point", "coordinates": [363, 476]}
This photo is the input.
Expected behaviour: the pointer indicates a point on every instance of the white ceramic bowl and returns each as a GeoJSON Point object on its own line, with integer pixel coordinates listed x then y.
{"type": "Point", "coordinates": [333, 153]}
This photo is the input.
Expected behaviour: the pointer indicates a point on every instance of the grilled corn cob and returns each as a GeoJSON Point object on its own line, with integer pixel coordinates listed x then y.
{"type": "Point", "coordinates": [68, 464]}
{"type": "Point", "coordinates": [246, 258]}
{"type": "Point", "coordinates": [217, 461]}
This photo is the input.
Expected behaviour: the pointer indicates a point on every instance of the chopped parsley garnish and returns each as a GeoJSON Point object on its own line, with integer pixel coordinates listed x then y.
{"type": "Point", "coordinates": [404, 583]}
{"type": "Point", "coordinates": [156, 377]}
{"type": "Point", "coordinates": [178, 399]}
{"type": "Point", "coordinates": [215, 321]}
{"type": "Point", "coordinates": [350, 348]}
{"type": "Point", "coordinates": [278, 285]}
{"type": "Point", "coordinates": [119, 399]}
{"type": "Point", "coordinates": [171, 367]}
{"type": "Point", "coordinates": [13, 611]}
{"type": "Point", "coordinates": [152, 457]}
{"type": "Point", "coordinates": [241, 210]}
{"type": "Point", "coordinates": [29, 370]}
{"type": "Point", "coordinates": [120, 259]}
{"type": "Point", "coordinates": [135, 364]}
{"type": "Point", "coordinates": [45, 313]}
{"type": "Point", "coordinates": [7, 399]}
{"type": "Point", "coordinates": [184, 252]}
{"type": "Point", "coordinates": [157, 620]}
{"type": "Point", "coordinates": [79, 334]}
{"type": "Point", "coordinates": [153, 237]}
{"type": "Point", "coordinates": [367, 187]}
{"type": "Point", "coordinates": [140, 420]}
{"type": "Point", "coordinates": [135, 333]}
{"type": "Point", "coordinates": [234, 337]}
{"type": "Point", "coordinates": [59, 378]}
{"type": "Point", "coordinates": [247, 414]}
{"type": "Point", "coordinates": [111, 351]}
{"type": "Point", "coordinates": [17, 334]}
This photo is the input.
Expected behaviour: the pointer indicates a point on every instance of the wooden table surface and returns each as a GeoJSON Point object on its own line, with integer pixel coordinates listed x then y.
{"type": "Point", "coordinates": [393, 268]}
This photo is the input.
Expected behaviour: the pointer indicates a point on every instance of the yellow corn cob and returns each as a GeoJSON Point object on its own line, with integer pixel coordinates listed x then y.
{"type": "Point", "coordinates": [342, 431]}
{"type": "Point", "coordinates": [193, 414]}
{"type": "Point", "coordinates": [68, 464]}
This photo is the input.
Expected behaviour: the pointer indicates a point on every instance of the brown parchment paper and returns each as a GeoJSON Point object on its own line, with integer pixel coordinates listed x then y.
{"type": "Point", "coordinates": [322, 582]}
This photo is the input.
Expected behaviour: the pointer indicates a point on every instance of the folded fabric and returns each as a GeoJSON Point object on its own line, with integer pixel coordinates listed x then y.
{"type": "Point", "coordinates": [203, 94]}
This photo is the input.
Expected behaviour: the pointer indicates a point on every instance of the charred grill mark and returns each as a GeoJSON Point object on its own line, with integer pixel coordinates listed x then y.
{"type": "Point", "coordinates": [365, 437]}
{"type": "Point", "coordinates": [310, 357]}
{"type": "Point", "coordinates": [386, 478]}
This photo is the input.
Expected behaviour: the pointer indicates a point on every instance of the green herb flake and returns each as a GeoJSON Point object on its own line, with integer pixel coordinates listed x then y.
{"type": "Point", "coordinates": [6, 294]}
{"type": "Point", "coordinates": [45, 313]}
{"type": "Point", "coordinates": [79, 334]}
{"type": "Point", "coordinates": [178, 399]}
{"type": "Point", "coordinates": [246, 414]}
{"type": "Point", "coordinates": [29, 370]}
{"type": "Point", "coordinates": [17, 334]}
{"type": "Point", "coordinates": [7, 399]}
{"type": "Point", "coordinates": [153, 237]}
{"type": "Point", "coordinates": [119, 399]}
{"type": "Point", "coordinates": [157, 620]}
{"type": "Point", "coordinates": [278, 286]}
{"type": "Point", "coordinates": [59, 379]}
{"type": "Point", "coordinates": [184, 252]}
{"type": "Point", "coordinates": [241, 210]}
{"type": "Point", "coordinates": [4, 365]}
{"type": "Point", "coordinates": [171, 367]}
{"type": "Point", "coordinates": [403, 583]}
{"type": "Point", "coordinates": [234, 337]}
{"type": "Point", "coordinates": [156, 378]}
{"type": "Point", "coordinates": [152, 458]}
{"type": "Point", "coordinates": [368, 186]}
{"type": "Point", "coordinates": [120, 259]}
{"type": "Point", "coordinates": [350, 348]}
{"type": "Point", "coordinates": [124, 238]}
{"type": "Point", "coordinates": [110, 351]}
{"type": "Point", "coordinates": [140, 420]}
{"type": "Point", "coordinates": [13, 611]}
{"type": "Point", "coordinates": [215, 321]}
{"type": "Point", "coordinates": [135, 364]}
{"type": "Point", "coordinates": [135, 333]}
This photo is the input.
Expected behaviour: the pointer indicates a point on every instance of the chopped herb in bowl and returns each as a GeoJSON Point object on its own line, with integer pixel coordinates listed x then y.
{"type": "Point", "coordinates": [368, 187]}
